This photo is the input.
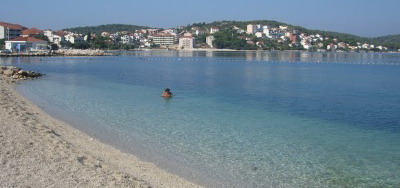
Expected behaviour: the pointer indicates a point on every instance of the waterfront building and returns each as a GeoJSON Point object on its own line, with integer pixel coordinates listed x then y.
{"type": "Point", "coordinates": [210, 40]}
{"type": "Point", "coordinates": [25, 44]}
{"type": "Point", "coordinates": [186, 42]}
{"type": "Point", "coordinates": [10, 31]}
{"type": "Point", "coordinates": [164, 39]}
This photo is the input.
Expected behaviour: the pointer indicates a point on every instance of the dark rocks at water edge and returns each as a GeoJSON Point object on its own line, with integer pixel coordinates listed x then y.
{"type": "Point", "coordinates": [16, 73]}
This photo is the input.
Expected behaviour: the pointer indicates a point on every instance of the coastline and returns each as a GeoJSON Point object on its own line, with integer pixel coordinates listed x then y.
{"type": "Point", "coordinates": [39, 151]}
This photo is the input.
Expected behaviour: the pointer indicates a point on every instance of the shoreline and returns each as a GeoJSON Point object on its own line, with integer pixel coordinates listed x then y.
{"type": "Point", "coordinates": [39, 151]}
{"type": "Point", "coordinates": [113, 52]}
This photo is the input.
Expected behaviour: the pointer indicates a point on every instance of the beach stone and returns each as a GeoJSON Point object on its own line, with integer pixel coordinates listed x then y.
{"type": "Point", "coordinates": [15, 76]}
{"type": "Point", "coordinates": [8, 72]}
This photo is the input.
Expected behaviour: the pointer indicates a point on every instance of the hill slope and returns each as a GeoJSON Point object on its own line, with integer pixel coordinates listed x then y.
{"type": "Point", "coordinates": [112, 28]}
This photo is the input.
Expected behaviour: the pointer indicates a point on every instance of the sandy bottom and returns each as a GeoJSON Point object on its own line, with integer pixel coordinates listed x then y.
{"type": "Point", "coordinates": [37, 150]}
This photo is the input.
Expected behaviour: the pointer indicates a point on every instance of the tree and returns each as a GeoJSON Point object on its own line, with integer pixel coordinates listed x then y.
{"type": "Point", "coordinates": [81, 45]}
{"type": "Point", "coordinates": [41, 36]}
{"type": "Point", "coordinates": [2, 43]}
{"type": "Point", "coordinates": [89, 37]}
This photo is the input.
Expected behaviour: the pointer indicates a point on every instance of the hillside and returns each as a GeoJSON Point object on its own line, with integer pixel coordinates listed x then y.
{"type": "Point", "coordinates": [390, 41]}
{"type": "Point", "coordinates": [112, 28]}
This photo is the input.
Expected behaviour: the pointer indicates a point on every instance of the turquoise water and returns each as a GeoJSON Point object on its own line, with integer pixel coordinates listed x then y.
{"type": "Point", "coordinates": [238, 119]}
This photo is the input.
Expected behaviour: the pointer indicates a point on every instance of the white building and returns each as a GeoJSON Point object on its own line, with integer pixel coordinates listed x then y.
{"type": "Point", "coordinates": [260, 34]}
{"type": "Point", "coordinates": [48, 33]}
{"type": "Point", "coordinates": [126, 39]}
{"type": "Point", "coordinates": [210, 40]}
{"type": "Point", "coordinates": [251, 29]}
{"type": "Point", "coordinates": [199, 32]}
{"type": "Point", "coordinates": [283, 27]}
{"type": "Point", "coordinates": [57, 39]}
{"type": "Point", "coordinates": [186, 42]}
{"type": "Point", "coordinates": [73, 38]}
{"type": "Point", "coordinates": [23, 44]}
{"type": "Point", "coordinates": [214, 30]}
{"type": "Point", "coordinates": [164, 39]}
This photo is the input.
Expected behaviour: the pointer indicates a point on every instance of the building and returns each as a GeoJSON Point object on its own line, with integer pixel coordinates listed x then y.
{"type": "Point", "coordinates": [186, 42]}
{"type": "Point", "coordinates": [25, 44]}
{"type": "Point", "coordinates": [126, 39]}
{"type": "Point", "coordinates": [210, 40]}
{"type": "Point", "coordinates": [260, 34]}
{"type": "Point", "coordinates": [164, 39]}
{"type": "Point", "coordinates": [251, 29]}
{"type": "Point", "coordinates": [73, 38]}
{"type": "Point", "coordinates": [214, 30]}
{"type": "Point", "coordinates": [10, 31]}
{"type": "Point", "coordinates": [31, 32]}
{"type": "Point", "coordinates": [200, 32]}
{"type": "Point", "coordinates": [56, 39]}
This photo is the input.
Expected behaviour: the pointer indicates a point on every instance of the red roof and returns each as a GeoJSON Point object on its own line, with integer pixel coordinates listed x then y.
{"type": "Point", "coordinates": [12, 26]}
{"type": "Point", "coordinates": [28, 39]}
{"type": "Point", "coordinates": [32, 31]}
{"type": "Point", "coordinates": [61, 33]}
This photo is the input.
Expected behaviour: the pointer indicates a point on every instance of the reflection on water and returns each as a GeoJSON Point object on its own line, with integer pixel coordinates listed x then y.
{"type": "Point", "coordinates": [286, 56]}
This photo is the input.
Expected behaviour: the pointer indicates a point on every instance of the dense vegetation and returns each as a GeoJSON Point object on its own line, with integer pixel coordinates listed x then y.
{"type": "Point", "coordinates": [390, 41]}
{"type": "Point", "coordinates": [229, 39]}
{"type": "Point", "coordinates": [111, 28]}
{"type": "Point", "coordinates": [2, 43]}
{"type": "Point", "coordinates": [101, 43]}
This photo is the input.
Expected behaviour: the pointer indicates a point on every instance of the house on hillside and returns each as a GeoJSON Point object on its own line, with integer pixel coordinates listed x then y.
{"type": "Point", "coordinates": [26, 44]}
{"type": "Point", "coordinates": [31, 32]}
{"type": "Point", "coordinates": [214, 30]}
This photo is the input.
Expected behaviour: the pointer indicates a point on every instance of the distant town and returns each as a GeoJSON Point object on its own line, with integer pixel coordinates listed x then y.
{"type": "Point", "coordinates": [15, 38]}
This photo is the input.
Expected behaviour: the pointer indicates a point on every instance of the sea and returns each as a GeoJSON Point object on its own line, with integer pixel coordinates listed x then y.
{"type": "Point", "coordinates": [237, 119]}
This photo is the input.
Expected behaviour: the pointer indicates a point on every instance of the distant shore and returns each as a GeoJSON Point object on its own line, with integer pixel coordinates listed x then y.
{"type": "Point", "coordinates": [38, 150]}
{"type": "Point", "coordinates": [78, 52]}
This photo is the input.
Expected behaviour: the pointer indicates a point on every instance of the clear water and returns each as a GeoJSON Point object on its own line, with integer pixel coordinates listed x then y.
{"type": "Point", "coordinates": [238, 119]}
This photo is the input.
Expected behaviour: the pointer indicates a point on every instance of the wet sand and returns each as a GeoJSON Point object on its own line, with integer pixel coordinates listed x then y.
{"type": "Point", "coordinates": [37, 150]}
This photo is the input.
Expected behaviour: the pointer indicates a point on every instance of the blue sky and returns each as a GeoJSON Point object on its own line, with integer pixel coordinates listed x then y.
{"type": "Point", "coordinates": [361, 17]}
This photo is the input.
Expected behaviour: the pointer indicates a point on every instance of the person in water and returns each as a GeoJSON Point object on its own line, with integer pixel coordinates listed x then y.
{"type": "Point", "coordinates": [167, 93]}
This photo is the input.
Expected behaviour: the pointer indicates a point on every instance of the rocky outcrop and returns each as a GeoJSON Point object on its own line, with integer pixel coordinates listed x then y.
{"type": "Point", "coordinates": [16, 73]}
{"type": "Point", "coordinates": [78, 52]}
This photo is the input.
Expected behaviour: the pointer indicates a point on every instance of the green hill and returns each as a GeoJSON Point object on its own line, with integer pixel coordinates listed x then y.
{"type": "Point", "coordinates": [112, 28]}
{"type": "Point", "coordinates": [390, 41]}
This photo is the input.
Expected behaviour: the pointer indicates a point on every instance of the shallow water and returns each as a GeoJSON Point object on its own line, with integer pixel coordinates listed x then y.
{"type": "Point", "coordinates": [238, 119]}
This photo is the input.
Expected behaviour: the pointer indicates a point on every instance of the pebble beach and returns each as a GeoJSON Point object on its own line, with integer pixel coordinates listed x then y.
{"type": "Point", "coordinates": [38, 150]}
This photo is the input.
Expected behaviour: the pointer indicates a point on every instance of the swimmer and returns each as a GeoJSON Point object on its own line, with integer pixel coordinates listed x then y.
{"type": "Point", "coordinates": [167, 93]}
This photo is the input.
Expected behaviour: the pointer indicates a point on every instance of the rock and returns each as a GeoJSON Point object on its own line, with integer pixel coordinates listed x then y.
{"type": "Point", "coordinates": [15, 76]}
{"type": "Point", "coordinates": [17, 73]}
{"type": "Point", "coordinates": [8, 72]}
